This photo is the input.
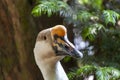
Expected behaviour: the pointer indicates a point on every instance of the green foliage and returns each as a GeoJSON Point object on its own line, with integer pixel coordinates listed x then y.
{"type": "Point", "coordinates": [86, 70]}
{"type": "Point", "coordinates": [110, 16]}
{"type": "Point", "coordinates": [50, 8]}
{"type": "Point", "coordinates": [94, 4]}
{"type": "Point", "coordinates": [110, 47]}
{"type": "Point", "coordinates": [84, 16]}
{"type": "Point", "coordinates": [45, 7]}
{"type": "Point", "coordinates": [97, 20]}
{"type": "Point", "coordinates": [107, 73]}
{"type": "Point", "coordinates": [66, 59]}
{"type": "Point", "coordinates": [91, 30]}
{"type": "Point", "coordinates": [100, 73]}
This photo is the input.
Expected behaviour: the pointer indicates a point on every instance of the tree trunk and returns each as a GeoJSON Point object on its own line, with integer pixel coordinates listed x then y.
{"type": "Point", "coordinates": [17, 38]}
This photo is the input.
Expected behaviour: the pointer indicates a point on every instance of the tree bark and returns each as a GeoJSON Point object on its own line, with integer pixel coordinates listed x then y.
{"type": "Point", "coordinates": [17, 30]}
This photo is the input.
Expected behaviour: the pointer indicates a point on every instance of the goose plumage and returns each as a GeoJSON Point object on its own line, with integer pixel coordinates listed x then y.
{"type": "Point", "coordinates": [51, 46]}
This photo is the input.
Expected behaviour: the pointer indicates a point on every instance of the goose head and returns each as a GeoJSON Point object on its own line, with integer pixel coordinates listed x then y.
{"type": "Point", "coordinates": [53, 44]}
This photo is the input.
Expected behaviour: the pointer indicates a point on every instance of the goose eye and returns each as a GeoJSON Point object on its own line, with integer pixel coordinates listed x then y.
{"type": "Point", "coordinates": [44, 38]}
{"type": "Point", "coordinates": [66, 46]}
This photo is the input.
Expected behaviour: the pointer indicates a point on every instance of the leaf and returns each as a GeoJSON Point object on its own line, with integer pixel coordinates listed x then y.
{"type": "Point", "coordinates": [95, 4]}
{"type": "Point", "coordinates": [91, 30]}
{"type": "Point", "coordinates": [64, 9]}
{"type": "Point", "coordinates": [107, 73]}
{"type": "Point", "coordinates": [45, 7]}
{"type": "Point", "coordinates": [71, 75]}
{"type": "Point", "coordinates": [110, 16]}
{"type": "Point", "coordinates": [67, 59]}
{"type": "Point", "coordinates": [86, 70]}
{"type": "Point", "coordinates": [101, 74]}
{"type": "Point", "coordinates": [84, 16]}
{"type": "Point", "coordinates": [115, 73]}
{"type": "Point", "coordinates": [52, 7]}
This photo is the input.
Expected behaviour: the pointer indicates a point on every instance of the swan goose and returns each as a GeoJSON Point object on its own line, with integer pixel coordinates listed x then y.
{"type": "Point", "coordinates": [51, 46]}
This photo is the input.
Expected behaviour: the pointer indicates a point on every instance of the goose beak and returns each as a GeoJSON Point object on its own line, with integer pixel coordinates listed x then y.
{"type": "Point", "coordinates": [68, 48]}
